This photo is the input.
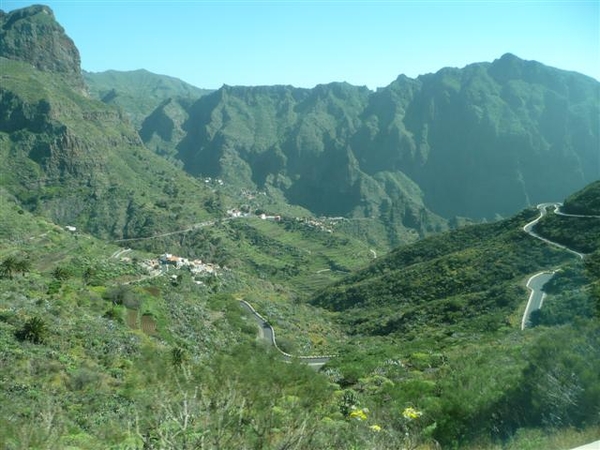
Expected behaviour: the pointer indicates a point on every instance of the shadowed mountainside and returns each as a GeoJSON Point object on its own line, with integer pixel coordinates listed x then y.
{"type": "Point", "coordinates": [485, 140]}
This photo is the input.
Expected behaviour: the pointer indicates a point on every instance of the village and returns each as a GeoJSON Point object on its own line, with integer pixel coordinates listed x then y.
{"type": "Point", "coordinates": [169, 263]}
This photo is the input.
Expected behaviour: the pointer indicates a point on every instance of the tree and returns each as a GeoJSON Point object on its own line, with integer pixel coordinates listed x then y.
{"type": "Point", "coordinates": [33, 330]}
{"type": "Point", "coordinates": [178, 356]}
{"type": "Point", "coordinates": [122, 294]}
{"type": "Point", "coordinates": [12, 265]}
{"type": "Point", "coordinates": [61, 274]}
{"type": "Point", "coordinates": [88, 274]}
{"type": "Point", "coordinates": [8, 267]}
{"type": "Point", "coordinates": [23, 265]}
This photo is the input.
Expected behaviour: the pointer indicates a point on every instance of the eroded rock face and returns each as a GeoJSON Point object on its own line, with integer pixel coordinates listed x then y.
{"type": "Point", "coordinates": [33, 35]}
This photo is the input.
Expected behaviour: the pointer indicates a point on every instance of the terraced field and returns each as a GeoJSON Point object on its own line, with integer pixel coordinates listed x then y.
{"type": "Point", "coordinates": [309, 258]}
{"type": "Point", "coordinates": [148, 324]}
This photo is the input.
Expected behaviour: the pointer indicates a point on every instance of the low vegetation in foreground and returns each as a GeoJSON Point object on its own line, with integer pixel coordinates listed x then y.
{"type": "Point", "coordinates": [98, 354]}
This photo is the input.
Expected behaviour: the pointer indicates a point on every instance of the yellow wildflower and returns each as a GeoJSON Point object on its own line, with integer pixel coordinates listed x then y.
{"type": "Point", "coordinates": [411, 413]}
{"type": "Point", "coordinates": [375, 428]}
{"type": "Point", "coordinates": [359, 414]}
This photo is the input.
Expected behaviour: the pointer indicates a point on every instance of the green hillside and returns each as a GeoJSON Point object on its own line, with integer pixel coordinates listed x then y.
{"type": "Point", "coordinates": [585, 202]}
{"type": "Point", "coordinates": [138, 92]}
{"type": "Point", "coordinates": [472, 273]}
{"type": "Point", "coordinates": [106, 344]}
{"type": "Point", "coordinates": [78, 162]}
{"type": "Point", "coordinates": [436, 325]}
{"type": "Point", "coordinates": [296, 141]}
{"type": "Point", "coordinates": [444, 361]}
{"type": "Point", "coordinates": [96, 353]}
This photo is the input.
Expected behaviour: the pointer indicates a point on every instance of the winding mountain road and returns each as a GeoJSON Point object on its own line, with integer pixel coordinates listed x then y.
{"type": "Point", "coordinates": [267, 333]}
{"type": "Point", "coordinates": [536, 298]}
{"type": "Point", "coordinates": [537, 281]}
{"type": "Point", "coordinates": [543, 208]}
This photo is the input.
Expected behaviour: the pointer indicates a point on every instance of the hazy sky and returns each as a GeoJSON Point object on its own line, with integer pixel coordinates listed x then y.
{"type": "Point", "coordinates": [304, 43]}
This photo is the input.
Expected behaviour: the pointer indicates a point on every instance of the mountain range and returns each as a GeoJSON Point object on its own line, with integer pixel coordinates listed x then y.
{"type": "Point", "coordinates": [479, 142]}
{"type": "Point", "coordinates": [106, 344]}
{"type": "Point", "coordinates": [483, 141]}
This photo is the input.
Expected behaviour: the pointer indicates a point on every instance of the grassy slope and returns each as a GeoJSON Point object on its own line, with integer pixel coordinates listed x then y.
{"type": "Point", "coordinates": [138, 92]}
{"type": "Point", "coordinates": [116, 188]}
{"type": "Point", "coordinates": [454, 354]}
{"type": "Point", "coordinates": [94, 372]}
{"type": "Point", "coordinates": [471, 277]}
{"type": "Point", "coordinates": [435, 326]}
{"type": "Point", "coordinates": [575, 292]}
{"type": "Point", "coordinates": [586, 201]}
{"type": "Point", "coordinates": [443, 366]}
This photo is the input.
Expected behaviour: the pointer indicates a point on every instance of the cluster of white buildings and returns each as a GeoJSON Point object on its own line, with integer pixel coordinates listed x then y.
{"type": "Point", "coordinates": [236, 214]}
{"type": "Point", "coordinates": [196, 266]}
{"type": "Point", "coordinates": [314, 223]}
{"type": "Point", "coordinates": [209, 180]}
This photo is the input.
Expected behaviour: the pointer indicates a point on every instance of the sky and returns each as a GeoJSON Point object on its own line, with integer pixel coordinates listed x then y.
{"type": "Point", "coordinates": [309, 42]}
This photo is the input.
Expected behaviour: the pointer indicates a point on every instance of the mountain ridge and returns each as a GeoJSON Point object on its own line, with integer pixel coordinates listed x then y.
{"type": "Point", "coordinates": [445, 131]}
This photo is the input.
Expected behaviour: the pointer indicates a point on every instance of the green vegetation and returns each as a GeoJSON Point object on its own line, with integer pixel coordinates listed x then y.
{"type": "Point", "coordinates": [406, 154]}
{"type": "Point", "coordinates": [435, 325]}
{"type": "Point", "coordinates": [77, 162]}
{"type": "Point", "coordinates": [83, 372]}
{"type": "Point", "coordinates": [138, 92]}
{"type": "Point", "coordinates": [106, 347]}
{"type": "Point", "coordinates": [586, 201]}
{"type": "Point", "coordinates": [579, 233]}
{"type": "Point", "coordinates": [472, 276]}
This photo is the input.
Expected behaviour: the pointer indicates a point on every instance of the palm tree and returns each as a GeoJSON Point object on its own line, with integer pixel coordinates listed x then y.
{"type": "Point", "coordinates": [34, 330]}
{"type": "Point", "coordinates": [8, 267]}
{"type": "Point", "coordinates": [60, 273]}
{"type": "Point", "coordinates": [88, 274]}
{"type": "Point", "coordinates": [23, 265]}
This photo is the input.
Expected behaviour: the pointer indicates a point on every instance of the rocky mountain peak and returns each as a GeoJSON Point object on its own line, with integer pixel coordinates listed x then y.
{"type": "Point", "coordinates": [33, 35]}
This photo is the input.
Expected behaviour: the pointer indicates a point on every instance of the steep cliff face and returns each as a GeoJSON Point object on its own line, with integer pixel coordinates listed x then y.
{"type": "Point", "coordinates": [34, 36]}
{"type": "Point", "coordinates": [493, 138]}
{"type": "Point", "coordinates": [74, 159]}
{"type": "Point", "coordinates": [298, 141]}
{"type": "Point", "coordinates": [482, 141]}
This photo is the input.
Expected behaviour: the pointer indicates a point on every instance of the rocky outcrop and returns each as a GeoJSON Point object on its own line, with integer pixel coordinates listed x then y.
{"type": "Point", "coordinates": [33, 35]}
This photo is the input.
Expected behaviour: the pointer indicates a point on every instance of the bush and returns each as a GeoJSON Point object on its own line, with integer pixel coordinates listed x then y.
{"type": "Point", "coordinates": [123, 295]}
{"type": "Point", "coordinates": [113, 314]}
{"type": "Point", "coordinates": [34, 330]}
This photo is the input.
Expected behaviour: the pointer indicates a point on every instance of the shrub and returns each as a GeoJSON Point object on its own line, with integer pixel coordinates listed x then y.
{"type": "Point", "coordinates": [34, 330]}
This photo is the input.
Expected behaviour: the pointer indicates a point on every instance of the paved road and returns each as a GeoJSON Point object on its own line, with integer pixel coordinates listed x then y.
{"type": "Point", "coordinates": [591, 446]}
{"type": "Point", "coordinates": [267, 333]}
{"type": "Point", "coordinates": [537, 281]}
{"type": "Point", "coordinates": [536, 298]}
{"type": "Point", "coordinates": [543, 208]}
{"type": "Point", "coordinates": [171, 233]}
{"type": "Point", "coordinates": [557, 211]}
